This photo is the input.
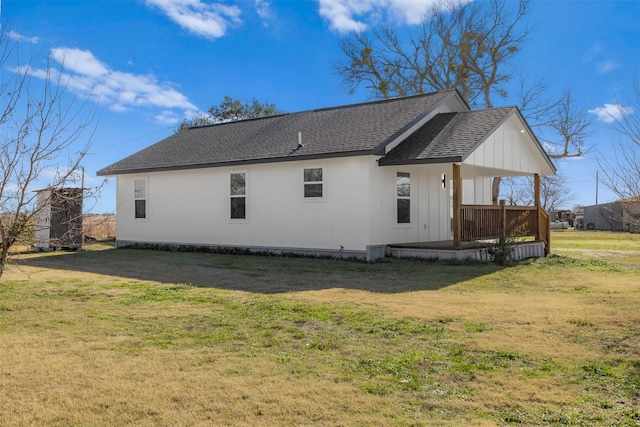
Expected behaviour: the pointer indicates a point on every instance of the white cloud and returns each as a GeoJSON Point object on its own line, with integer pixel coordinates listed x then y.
{"type": "Point", "coordinates": [167, 117]}
{"type": "Point", "coordinates": [340, 14]}
{"type": "Point", "coordinates": [88, 77]}
{"type": "Point", "coordinates": [263, 9]}
{"type": "Point", "coordinates": [609, 113]}
{"type": "Point", "coordinates": [208, 20]}
{"type": "Point", "coordinates": [80, 61]}
{"type": "Point", "coordinates": [19, 37]}
{"type": "Point", "coordinates": [411, 11]}
{"type": "Point", "coordinates": [352, 15]}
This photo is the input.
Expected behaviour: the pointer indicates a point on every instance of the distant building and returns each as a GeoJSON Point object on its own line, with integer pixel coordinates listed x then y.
{"type": "Point", "coordinates": [561, 219]}
{"type": "Point", "coordinates": [621, 215]}
{"type": "Point", "coordinates": [59, 219]}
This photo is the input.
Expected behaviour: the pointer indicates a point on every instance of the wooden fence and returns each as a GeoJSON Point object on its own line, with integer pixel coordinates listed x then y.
{"type": "Point", "coordinates": [489, 221]}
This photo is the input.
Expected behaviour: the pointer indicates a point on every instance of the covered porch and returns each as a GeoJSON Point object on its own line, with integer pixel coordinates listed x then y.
{"type": "Point", "coordinates": [473, 147]}
{"type": "Point", "coordinates": [473, 223]}
{"type": "Point", "coordinates": [475, 228]}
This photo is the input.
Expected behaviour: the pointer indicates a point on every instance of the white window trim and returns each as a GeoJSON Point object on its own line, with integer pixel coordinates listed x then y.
{"type": "Point", "coordinates": [409, 224]}
{"type": "Point", "coordinates": [146, 199]}
{"type": "Point", "coordinates": [244, 220]}
{"type": "Point", "coordinates": [323, 182]}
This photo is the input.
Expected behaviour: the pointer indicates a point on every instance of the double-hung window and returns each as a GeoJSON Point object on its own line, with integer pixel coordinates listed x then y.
{"type": "Point", "coordinates": [403, 197]}
{"type": "Point", "coordinates": [140, 198]}
{"type": "Point", "coordinates": [313, 183]}
{"type": "Point", "coordinates": [238, 193]}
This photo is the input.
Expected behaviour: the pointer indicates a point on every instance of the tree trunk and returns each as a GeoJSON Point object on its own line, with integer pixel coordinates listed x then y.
{"type": "Point", "coordinates": [495, 190]}
{"type": "Point", "coordinates": [4, 255]}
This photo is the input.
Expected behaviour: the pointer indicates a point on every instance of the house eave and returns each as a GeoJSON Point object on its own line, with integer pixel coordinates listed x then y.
{"type": "Point", "coordinates": [321, 156]}
{"type": "Point", "coordinates": [440, 160]}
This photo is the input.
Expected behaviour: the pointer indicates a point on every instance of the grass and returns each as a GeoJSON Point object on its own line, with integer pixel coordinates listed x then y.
{"type": "Point", "coordinates": [618, 248]}
{"type": "Point", "coordinates": [121, 337]}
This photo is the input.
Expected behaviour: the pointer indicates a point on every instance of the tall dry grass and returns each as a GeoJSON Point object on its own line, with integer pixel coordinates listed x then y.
{"type": "Point", "coordinates": [120, 337]}
{"type": "Point", "coordinates": [99, 227]}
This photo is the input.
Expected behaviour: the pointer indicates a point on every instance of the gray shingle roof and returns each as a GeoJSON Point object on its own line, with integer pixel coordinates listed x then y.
{"type": "Point", "coordinates": [448, 137]}
{"type": "Point", "coordinates": [329, 132]}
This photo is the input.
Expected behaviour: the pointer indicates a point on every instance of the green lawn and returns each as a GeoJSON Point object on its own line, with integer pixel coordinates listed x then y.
{"type": "Point", "coordinates": [619, 248]}
{"type": "Point", "coordinates": [121, 337]}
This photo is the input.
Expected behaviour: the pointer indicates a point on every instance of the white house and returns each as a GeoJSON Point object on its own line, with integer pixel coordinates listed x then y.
{"type": "Point", "coordinates": [344, 181]}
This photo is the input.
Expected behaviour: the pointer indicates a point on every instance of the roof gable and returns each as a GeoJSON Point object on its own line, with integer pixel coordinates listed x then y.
{"type": "Point", "coordinates": [498, 139]}
{"type": "Point", "coordinates": [448, 137]}
{"type": "Point", "coordinates": [330, 132]}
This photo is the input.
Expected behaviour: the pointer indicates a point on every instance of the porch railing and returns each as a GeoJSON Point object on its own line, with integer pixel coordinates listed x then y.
{"type": "Point", "coordinates": [487, 221]}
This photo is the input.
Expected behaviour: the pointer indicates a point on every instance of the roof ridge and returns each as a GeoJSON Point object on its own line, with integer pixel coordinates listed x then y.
{"type": "Point", "coordinates": [508, 107]}
{"type": "Point", "coordinates": [237, 121]}
{"type": "Point", "coordinates": [335, 107]}
{"type": "Point", "coordinates": [379, 101]}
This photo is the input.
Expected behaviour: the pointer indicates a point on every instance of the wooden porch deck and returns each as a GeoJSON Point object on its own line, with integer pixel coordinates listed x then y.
{"type": "Point", "coordinates": [446, 250]}
{"type": "Point", "coordinates": [443, 244]}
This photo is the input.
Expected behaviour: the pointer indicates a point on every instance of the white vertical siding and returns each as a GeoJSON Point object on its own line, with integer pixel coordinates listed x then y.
{"type": "Point", "coordinates": [193, 207]}
{"type": "Point", "coordinates": [476, 191]}
{"type": "Point", "coordinates": [430, 204]}
{"type": "Point", "coordinates": [510, 149]}
{"type": "Point", "coordinates": [358, 207]}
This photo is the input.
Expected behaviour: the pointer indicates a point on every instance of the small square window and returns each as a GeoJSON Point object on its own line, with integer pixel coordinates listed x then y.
{"type": "Point", "coordinates": [313, 190]}
{"type": "Point", "coordinates": [313, 183]}
{"type": "Point", "coordinates": [313, 175]}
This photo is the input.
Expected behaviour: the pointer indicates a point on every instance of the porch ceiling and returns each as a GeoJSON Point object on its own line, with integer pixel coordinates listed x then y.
{"type": "Point", "coordinates": [474, 171]}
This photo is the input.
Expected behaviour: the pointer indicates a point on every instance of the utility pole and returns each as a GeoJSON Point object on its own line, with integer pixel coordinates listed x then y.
{"type": "Point", "coordinates": [596, 188]}
{"type": "Point", "coordinates": [596, 224]}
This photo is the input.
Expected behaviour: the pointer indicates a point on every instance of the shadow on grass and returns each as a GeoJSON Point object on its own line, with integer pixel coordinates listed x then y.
{"type": "Point", "coordinates": [263, 274]}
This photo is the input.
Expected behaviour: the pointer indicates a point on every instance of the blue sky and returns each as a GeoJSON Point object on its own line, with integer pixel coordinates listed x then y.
{"type": "Point", "coordinates": [147, 63]}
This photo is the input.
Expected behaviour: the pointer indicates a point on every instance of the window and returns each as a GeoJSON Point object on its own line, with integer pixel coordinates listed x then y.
{"type": "Point", "coordinates": [140, 198]}
{"type": "Point", "coordinates": [403, 197]}
{"type": "Point", "coordinates": [238, 191]}
{"type": "Point", "coordinates": [313, 183]}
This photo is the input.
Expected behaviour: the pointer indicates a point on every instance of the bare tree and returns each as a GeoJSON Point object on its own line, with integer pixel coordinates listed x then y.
{"type": "Point", "coordinates": [44, 135]}
{"type": "Point", "coordinates": [565, 128]}
{"type": "Point", "coordinates": [468, 46]}
{"type": "Point", "coordinates": [562, 127]}
{"type": "Point", "coordinates": [554, 193]}
{"type": "Point", "coordinates": [621, 171]}
{"type": "Point", "coordinates": [460, 44]}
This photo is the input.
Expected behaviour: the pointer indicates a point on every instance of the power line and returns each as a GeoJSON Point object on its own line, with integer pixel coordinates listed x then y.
{"type": "Point", "coordinates": [132, 139]}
